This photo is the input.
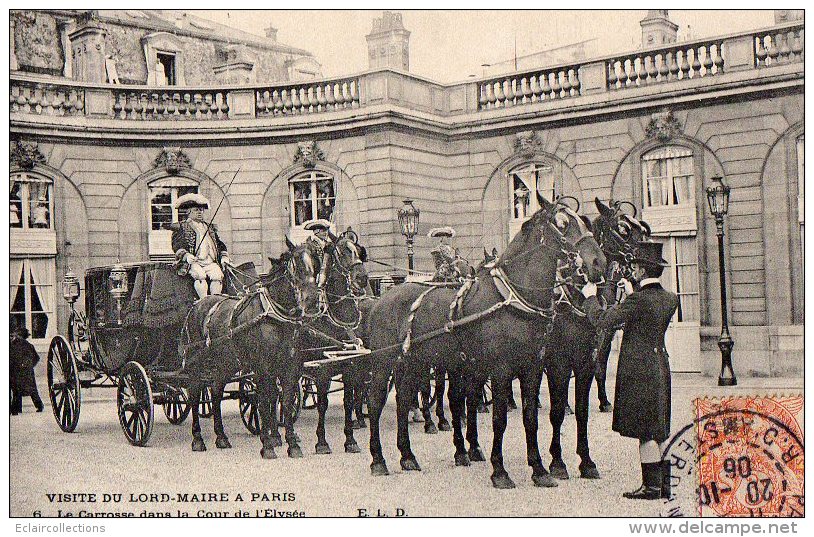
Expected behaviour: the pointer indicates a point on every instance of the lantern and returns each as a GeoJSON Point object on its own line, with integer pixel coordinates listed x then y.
{"type": "Point", "coordinates": [718, 198]}
{"type": "Point", "coordinates": [70, 287]}
{"type": "Point", "coordinates": [408, 219]}
{"type": "Point", "coordinates": [117, 281]}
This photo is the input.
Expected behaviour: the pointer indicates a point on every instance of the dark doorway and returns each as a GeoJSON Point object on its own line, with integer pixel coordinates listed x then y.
{"type": "Point", "coordinates": [167, 61]}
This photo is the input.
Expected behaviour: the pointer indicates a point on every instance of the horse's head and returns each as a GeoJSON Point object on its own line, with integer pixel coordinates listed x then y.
{"type": "Point", "coordinates": [575, 235]}
{"type": "Point", "coordinates": [301, 264]}
{"type": "Point", "coordinates": [348, 259]}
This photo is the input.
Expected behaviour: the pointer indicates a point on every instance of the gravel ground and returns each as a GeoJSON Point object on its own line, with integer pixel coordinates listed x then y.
{"type": "Point", "coordinates": [97, 459]}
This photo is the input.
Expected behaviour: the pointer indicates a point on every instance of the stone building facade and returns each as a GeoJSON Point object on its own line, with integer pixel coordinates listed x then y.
{"type": "Point", "coordinates": [651, 127]}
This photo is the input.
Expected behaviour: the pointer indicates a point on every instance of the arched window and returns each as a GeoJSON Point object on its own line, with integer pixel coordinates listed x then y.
{"type": "Point", "coordinates": [668, 177]}
{"type": "Point", "coordinates": [31, 201]}
{"type": "Point", "coordinates": [524, 181]}
{"type": "Point", "coordinates": [163, 194]}
{"type": "Point", "coordinates": [312, 195]}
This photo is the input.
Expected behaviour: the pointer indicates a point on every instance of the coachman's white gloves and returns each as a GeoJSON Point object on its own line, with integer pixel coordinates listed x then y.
{"type": "Point", "coordinates": [589, 290]}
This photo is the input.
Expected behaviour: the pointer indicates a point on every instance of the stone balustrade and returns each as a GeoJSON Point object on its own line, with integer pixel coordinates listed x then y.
{"type": "Point", "coordinates": [531, 87]}
{"type": "Point", "coordinates": [308, 98]}
{"type": "Point", "coordinates": [677, 62]}
{"type": "Point", "coordinates": [46, 99]}
{"type": "Point", "coordinates": [556, 87]}
{"type": "Point", "coordinates": [169, 104]}
{"type": "Point", "coordinates": [779, 46]}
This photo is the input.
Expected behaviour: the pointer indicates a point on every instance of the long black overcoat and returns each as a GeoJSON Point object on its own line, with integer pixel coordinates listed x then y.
{"type": "Point", "coordinates": [22, 359]}
{"type": "Point", "coordinates": [642, 398]}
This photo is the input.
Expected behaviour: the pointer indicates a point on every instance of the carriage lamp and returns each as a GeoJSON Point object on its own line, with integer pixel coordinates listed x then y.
{"type": "Point", "coordinates": [70, 287]}
{"type": "Point", "coordinates": [408, 220]}
{"type": "Point", "coordinates": [718, 199]}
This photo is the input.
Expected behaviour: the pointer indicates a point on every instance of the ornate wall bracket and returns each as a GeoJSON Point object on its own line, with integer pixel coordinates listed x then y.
{"type": "Point", "coordinates": [527, 143]}
{"type": "Point", "coordinates": [308, 153]}
{"type": "Point", "coordinates": [26, 155]}
{"type": "Point", "coordinates": [173, 159]}
{"type": "Point", "coordinates": [663, 126]}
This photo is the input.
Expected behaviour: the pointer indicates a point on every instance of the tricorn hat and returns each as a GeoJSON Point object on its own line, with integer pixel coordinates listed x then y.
{"type": "Point", "coordinates": [649, 253]}
{"type": "Point", "coordinates": [187, 201]}
{"type": "Point", "coordinates": [445, 231]}
{"type": "Point", "coordinates": [320, 224]}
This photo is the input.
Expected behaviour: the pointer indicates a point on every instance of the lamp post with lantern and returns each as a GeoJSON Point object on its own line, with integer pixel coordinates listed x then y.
{"type": "Point", "coordinates": [408, 220]}
{"type": "Point", "coordinates": [718, 199]}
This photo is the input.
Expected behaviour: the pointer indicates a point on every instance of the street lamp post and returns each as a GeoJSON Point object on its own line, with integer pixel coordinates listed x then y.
{"type": "Point", "coordinates": [718, 199]}
{"type": "Point", "coordinates": [408, 220]}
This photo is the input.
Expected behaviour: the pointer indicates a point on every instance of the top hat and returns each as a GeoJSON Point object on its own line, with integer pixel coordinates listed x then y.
{"type": "Point", "coordinates": [187, 201]}
{"type": "Point", "coordinates": [649, 253]}
{"type": "Point", "coordinates": [23, 332]}
{"type": "Point", "coordinates": [320, 224]}
{"type": "Point", "coordinates": [445, 231]}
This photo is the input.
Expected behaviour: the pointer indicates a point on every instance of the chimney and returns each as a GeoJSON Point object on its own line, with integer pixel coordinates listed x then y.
{"type": "Point", "coordinates": [658, 29]}
{"type": "Point", "coordinates": [271, 33]}
{"type": "Point", "coordinates": [388, 43]}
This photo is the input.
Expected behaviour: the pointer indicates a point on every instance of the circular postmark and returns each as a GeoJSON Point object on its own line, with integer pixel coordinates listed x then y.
{"type": "Point", "coordinates": [736, 461]}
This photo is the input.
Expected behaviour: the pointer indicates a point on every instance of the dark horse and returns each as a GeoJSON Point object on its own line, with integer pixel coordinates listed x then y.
{"type": "Point", "coordinates": [345, 286]}
{"type": "Point", "coordinates": [256, 332]}
{"type": "Point", "coordinates": [501, 321]}
{"type": "Point", "coordinates": [574, 339]}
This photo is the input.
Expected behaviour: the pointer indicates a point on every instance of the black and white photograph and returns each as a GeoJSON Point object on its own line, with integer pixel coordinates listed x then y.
{"type": "Point", "coordinates": [406, 263]}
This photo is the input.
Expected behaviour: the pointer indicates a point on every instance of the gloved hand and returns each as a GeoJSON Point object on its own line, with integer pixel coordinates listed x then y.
{"type": "Point", "coordinates": [626, 285]}
{"type": "Point", "coordinates": [589, 290]}
{"type": "Point", "coordinates": [189, 258]}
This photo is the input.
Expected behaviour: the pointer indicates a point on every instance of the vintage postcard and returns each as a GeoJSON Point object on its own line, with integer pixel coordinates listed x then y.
{"type": "Point", "coordinates": [405, 263]}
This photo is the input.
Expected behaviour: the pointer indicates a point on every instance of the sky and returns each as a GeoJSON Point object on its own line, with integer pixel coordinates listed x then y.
{"type": "Point", "coordinates": [449, 46]}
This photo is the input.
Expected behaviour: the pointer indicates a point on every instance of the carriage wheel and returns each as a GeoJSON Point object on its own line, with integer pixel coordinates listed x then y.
{"type": "Point", "coordinates": [248, 406]}
{"type": "Point", "coordinates": [309, 393]}
{"type": "Point", "coordinates": [205, 403]}
{"type": "Point", "coordinates": [63, 384]}
{"type": "Point", "coordinates": [135, 404]}
{"type": "Point", "coordinates": [176, 406]}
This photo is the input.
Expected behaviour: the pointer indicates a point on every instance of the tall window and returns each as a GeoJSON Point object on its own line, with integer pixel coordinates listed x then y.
{"type": "Point", "coordinates": [30, 201]}
{"type": "Point", "coordinates": [681, 276]}
{"type": "Point", "coordinates": [31, 295]}
{"type": "Point", "coordinates": [165, 69]}
{"type": "Point", "coordinates": [312, 195]}
{"type": "Point", "coordinates": [668, 177]}
{"type": "Point", "coordinates": [524, 181]}
{"type": "Point", "coordinates": [163, 194]}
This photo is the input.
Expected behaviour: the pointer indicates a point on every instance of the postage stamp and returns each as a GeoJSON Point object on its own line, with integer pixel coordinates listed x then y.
{"type": "Point", "coordinates": [740, 457]}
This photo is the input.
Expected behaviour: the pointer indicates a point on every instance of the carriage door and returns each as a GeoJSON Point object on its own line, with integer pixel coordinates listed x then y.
{"type": "Point", "coordinates": [523, 181]}
{"type": "Point", "coordinates": [670, 209]}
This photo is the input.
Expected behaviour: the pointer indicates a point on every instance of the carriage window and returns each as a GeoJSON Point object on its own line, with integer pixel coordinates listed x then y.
{"type": "Point", "coordinates": [163, 194]}
{"type": "Point", "coordinates": [30, 201]}
{"type": "Point", "coordinates": [312, 196]}
{"type": "Point", "coordinates": [668, 177]}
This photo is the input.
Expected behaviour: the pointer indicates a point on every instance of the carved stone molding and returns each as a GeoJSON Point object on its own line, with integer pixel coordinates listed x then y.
{"type": "Point", "coordinates": [663, 126]}
{"type": "Point", "coordinates": [26, 155]}
{"type": "Point", "coordinates": [308, 153]}
{"type": "Point", "coordinates": [173, 159]}
{"type": "Point", "coordinates": [527, 143]}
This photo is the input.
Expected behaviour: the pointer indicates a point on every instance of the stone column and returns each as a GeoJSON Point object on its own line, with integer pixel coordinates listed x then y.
{"type": "Point", "coordinates": [66, 26]}
{"type": "Point", "coordinates": [12, 55]}
{"type": "Point", "coordinates": [88, 54]}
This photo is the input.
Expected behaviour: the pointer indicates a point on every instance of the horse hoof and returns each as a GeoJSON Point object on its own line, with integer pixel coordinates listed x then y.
{"type": "Point", "coordinates": [294, 451]}
{"type": "Point", "coordinates": [379, 469]}
{"type": "Point", "coordinates": [352, 447]}
{"type": "Point", "coordinates": [503, 482]}
{"type": "Point", "coordinates": [558, 470]}
{"type": "Point", "coordinates": [223, 443]}
{"type": "Point", "coordinates": [544, 480]}
{"type": "Point", "coordinates": [462, 459]}
{"type": "Point", "coordinates": [198, 444]}
{"type": "Point", "coordinates": [589, 472]}
{"type": "Point", "coordinates": [443, 425]}
{"type": "Point", "coordinates": [430, 428]}
{"type": "Point", "coordinates": [606, 407]}
{"type": "Point", "coordinates": [323, 449]}
{"type": "Point", "coordinates": [476, 455]}
{"type": "Point", "coordinates": [415, 416]}
{"type": "Point", "coordinates": [268, 454]}
{"type": "Point", "coordinates": [410, 465]}
{"type": "Point", "coordinates": [483, 409]}
{"type": "Point", "coordinates": [276, 441]}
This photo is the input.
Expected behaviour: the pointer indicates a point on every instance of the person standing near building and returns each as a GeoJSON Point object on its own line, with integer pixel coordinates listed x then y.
{"type": "Point", "coordinates": [643, 388]}
{"type": "Point", "coordinates": [23, 358]}
{"type": "Point", "coordinates": [197, 247]}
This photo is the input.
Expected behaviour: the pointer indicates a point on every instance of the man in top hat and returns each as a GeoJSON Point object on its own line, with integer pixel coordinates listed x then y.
{"type": "Point", "coordinates": [448, 263]}
{"type": "Point", "coordinates": [321, 230]}
{"type": "Point", "coordinates": [23, 358]}
{"type": "Point", "coordinates": [197, 247]}
{"type": "Point", "coordinates": [642, 399]}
